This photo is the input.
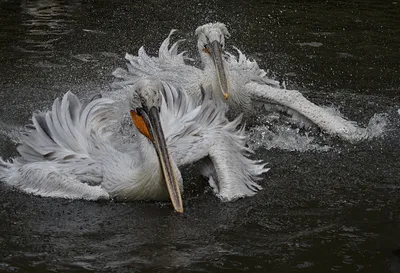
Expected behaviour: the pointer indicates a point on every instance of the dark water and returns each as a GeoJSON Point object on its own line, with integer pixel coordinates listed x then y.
{"type": "Point", "coordinates": [335, 211]}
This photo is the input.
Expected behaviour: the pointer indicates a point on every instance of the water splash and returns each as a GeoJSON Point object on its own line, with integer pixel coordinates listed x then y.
{"type": "Point", "coordinates": [275, 130]}
{"type": "Point", "coordinates": [377, 125]}
{"type": "Point", "coordinates": [283, 137]}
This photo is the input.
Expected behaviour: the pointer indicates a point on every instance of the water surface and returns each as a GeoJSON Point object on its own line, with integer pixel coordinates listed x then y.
{"type": "Point", "coordinates": [333, 210]}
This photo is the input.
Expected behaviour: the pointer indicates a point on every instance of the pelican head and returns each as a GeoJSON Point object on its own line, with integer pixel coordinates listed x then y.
{"type": "Point", "coordinates": [145, 104]}
{"type": "Point", "coordinates": [211, 43]}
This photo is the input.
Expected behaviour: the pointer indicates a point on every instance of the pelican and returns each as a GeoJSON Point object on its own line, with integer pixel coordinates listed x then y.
{"type": "Point", "coordinates": [72, 153]}
{"type": "Point", "coordinates": [236, 80]}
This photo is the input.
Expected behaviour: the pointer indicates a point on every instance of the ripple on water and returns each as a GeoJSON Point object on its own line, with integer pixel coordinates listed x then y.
{"type": "Point", "coordinates": [44, 22]}
{"type": "Point", "coordinates": [312, 44]}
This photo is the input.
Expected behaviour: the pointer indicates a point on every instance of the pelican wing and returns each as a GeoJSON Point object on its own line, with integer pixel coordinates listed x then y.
{"type": "Point", "coordinates": [182, 116]}
{"type": "Point", "coordinates": [258, 87]}
{"type": "Point", "coordinates": [232, 173]}
{"type": "Point", "coordinates": [249, 70]}
{"type": "Point", "coordinates": [296, 104]}
{"type": "Point", "coordinates": [187, 125]}
{"type": "Point", "coordinates": [168, 67]}
{"type": "Point", "coordinates": [203, 132]}
{"type": "Point", "coordinates": [63, 142]}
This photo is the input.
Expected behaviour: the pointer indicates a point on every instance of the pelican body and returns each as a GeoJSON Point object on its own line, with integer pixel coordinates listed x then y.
{"type": "Point", "coordinates": [72, 153]}
{"type": "Point", "coordinates": [237, 81]}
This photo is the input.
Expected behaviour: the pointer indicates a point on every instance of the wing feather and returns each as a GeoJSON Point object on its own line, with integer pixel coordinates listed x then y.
{"type": "Point", "coordinates": [168, 67]}
{"type": "Point", "coordinates": [306, 111]}
{"type": "Point", "coordinates": [65, 135]}
{"type": "Point", "coordinates": [63, 149]}
{"type": "Point", "coordinates": [248, 70]}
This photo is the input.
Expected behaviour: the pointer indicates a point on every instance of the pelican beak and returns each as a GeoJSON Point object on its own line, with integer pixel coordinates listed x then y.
{"type": "Point", "coordinates": [156, 135]}
{"type": "Point", "coordinates": [215, 50]}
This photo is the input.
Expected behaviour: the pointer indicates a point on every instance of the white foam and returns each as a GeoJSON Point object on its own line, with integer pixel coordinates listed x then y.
{"type": "Point", "coordinates": [377, 125]}
{"type": "Point", "coordinates": [282, 137]}
{"type": "Point", "coordinates": [276, 132]}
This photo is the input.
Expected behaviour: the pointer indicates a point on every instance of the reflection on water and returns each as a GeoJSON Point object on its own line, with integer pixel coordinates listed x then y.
{"type": "Point", "coordinates": [44, 21]}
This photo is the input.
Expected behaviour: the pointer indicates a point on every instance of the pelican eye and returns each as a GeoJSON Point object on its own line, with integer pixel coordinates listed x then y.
{"type": "Point", "coordinates": [206, 50]}
{"type": "Point", "coordinates": [138, 111]}
{"type": "Point", "coordinates": [143, 103]}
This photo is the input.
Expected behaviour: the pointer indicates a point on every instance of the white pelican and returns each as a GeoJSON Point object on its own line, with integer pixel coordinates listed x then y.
{"type": "Point", "coordinates": [72, 153]}
{"type": "Point", "coordinates": [239, 81]}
